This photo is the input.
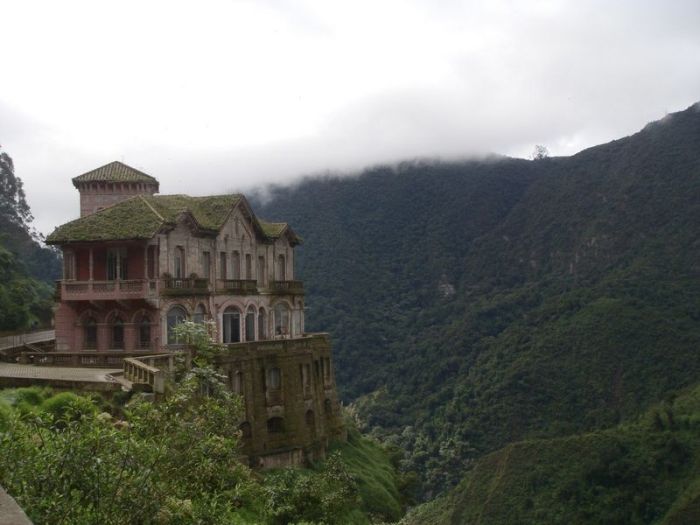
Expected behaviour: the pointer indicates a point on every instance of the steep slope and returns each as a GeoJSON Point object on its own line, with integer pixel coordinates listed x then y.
{"type": "Point", "coordinates": [645, 472]}
{"type": "Point", "coordinates": [479, 303]}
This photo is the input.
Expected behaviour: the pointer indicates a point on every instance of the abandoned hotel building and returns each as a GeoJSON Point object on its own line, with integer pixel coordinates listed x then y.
{"type": "Point", "coordinates": [136, 264]}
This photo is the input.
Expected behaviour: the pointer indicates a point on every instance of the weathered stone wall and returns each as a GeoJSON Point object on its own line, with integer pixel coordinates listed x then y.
{"type": "Point", "coordinates": [291, 404]}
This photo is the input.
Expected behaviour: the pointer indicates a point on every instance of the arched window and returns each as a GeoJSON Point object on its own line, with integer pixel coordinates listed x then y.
{"type": "Point", "coordinates": [176, 315]}
{"type": "Point", "coordinates": [90, 342]}
{"type": "Point", "coordinates": [118, 334]}
{"type": "Point", "coordinates": [281, 319]}
{"type": "Point", "coordinates": [145, 332]}
{"type": "Point", "coordinates": [250, 324]}
{"type": "Point", "coordinates": [232, 325]}
{"type": "Point", "coordinates": [262, 325]}
{"type": "Point", "coordinates": [281, 268]}
{"type": "Point", "coordinates": [275, 425]}
{"type": "Point", "coordinates": [328, 408]}
{"type": "Point", "coordinates": [199, 314]}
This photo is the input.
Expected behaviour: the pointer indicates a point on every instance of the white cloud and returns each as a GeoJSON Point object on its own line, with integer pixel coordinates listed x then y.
{"type": "Point", "coordinates": [227, 94]}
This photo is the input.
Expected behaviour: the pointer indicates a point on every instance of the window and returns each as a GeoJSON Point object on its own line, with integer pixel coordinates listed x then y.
{"type": "Point", "coordinates": [116, 264]}
{"type": "Point", "coordinates": [250, 324]}
{"type": "Point", "coordinates": [328, 407]}
{"type": "Point", "coordinates": [275, 425]}
{"type": "Point", "coordinates": [262, 325]}
{"type": "Point", "coordinates": [248, 266]}
{"type": "Point", "coordinates": [261, 271]}
{"type": "Point", "coordinates": [176, 315]}
{"type": "Point", "coordinates": [326, 366]}
{"type": "Point", "coordinates": [179, 262]}
{"type": "Point", "coordinates": [305, 372]}
{"type": "Point", "coordinates": [118, 334]}
{"type": "Point", "coordinates": [199, 314]}
{"type": "Point", "coordinates": [281, 268]}
{"type": "Point", "coordinates": [145, 332]}
{"type": "Point", "coordinates": [281, 319]}
{"type": "Point", "coordinates": [236, 265]}
{"type": "Point", "coordinates": [232, 325]}
{"type": "Point", "coordinates": [309, 419]}
{"type": "Point", "coordinates": [222, 265]}
{"type": "Point", "coordinates": [206, 265]}
{"type": "Point", "coordinates": [90, 342]}
{"type": "Point", "coordinates": [273, 378]}
{"type": "Point", "coordinates": [152, 263]}
{"type": "Point", "coordinates": [236, 380]}
{"type": "Point", "coordinates": [296, 322]}
{"type": "Point", "coordinates": [69, 265]}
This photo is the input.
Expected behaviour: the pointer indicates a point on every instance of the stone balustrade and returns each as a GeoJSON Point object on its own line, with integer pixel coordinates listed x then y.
{"type": "Point", "coordinates": [151, 370]}
{"type": "Point", "coordinates": [287, 287]}
{"type": "Point", "coordinates": [83, 358]}
{"type": "Point", "coordinates": [107, 290]}
{"type": "Point", "coordinates": [237, 286]}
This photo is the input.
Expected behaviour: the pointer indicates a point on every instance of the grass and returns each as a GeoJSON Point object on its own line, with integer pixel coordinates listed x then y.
{"type": "Point", "coordinates": [375, 475]}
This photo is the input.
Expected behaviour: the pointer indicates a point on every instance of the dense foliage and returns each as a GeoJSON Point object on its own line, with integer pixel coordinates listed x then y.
{"type": "Point", "coordinates": [26, 267]}
{"type": "Point", "coordinates": [478, 303]}
{"type": "Point", "coordinates": [647, 471]}
{"type": "Point", "coordinates": [66, 460]}
{"type": "Point", "coordinates": [73, 459]}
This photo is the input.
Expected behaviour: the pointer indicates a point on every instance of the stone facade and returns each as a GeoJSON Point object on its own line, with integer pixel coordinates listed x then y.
{"type": "Point", "coordinates": [290, 399]}
{"type": "Point", "coordinates": [146, 263]}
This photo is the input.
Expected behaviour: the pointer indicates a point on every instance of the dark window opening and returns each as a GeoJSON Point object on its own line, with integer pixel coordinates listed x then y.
{"type": "Point", "coordinates": [118, 334]}
{"type": "Point", "coordinates": [90, 334]}
{"type": "Point", "coordinates": [275, 425]}
{"type": "Point", "coordinates": [145, 333]}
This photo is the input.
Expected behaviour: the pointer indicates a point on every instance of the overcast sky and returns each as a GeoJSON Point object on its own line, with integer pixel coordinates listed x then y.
{"type": "Point", "coordinates": [214, 96]}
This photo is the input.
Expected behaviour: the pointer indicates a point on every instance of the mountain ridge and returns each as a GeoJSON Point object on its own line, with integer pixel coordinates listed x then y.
{"type": "Point", "coordinates": [479, 303]}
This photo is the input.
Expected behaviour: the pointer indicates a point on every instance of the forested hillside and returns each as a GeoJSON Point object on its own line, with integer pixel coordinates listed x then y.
{"type": "Point", "coordinates": [26, 267]}
{"type": "Point", "coordinates": [644, 472]}
{"type": "Point", "coordinates": [478, 303]}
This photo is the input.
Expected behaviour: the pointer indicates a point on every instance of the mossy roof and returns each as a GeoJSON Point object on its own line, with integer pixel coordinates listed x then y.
{"type": "Point", "coordinates": [114, 172]}
{"type": "Point", "coordinates": [142, 216]}
{"type": "Point", "coordinates": [272, 229]}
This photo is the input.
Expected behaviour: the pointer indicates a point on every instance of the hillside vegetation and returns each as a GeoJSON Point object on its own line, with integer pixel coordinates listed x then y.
{"type": "Point", "coordinates": [68, 458]}
{"type": "Point", "coordinates": [643, 472]}
{"type": "Point", "coordinates": [26, 267]}
{"type": "Point", "coordinates": [479, 303]}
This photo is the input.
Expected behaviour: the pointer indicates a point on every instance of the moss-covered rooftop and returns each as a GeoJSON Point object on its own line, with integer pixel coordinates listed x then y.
{"type": "Point", "coordinates": [114, 172]}
{"type": "Point", "coordinates": [142, 216]}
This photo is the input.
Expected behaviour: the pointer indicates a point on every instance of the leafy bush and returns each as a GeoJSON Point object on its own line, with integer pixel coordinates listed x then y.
{"type": "Point", "coordinates": [68, 405]}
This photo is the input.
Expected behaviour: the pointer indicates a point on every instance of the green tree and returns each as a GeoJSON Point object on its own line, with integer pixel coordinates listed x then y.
{"type": "Point", "coordinates": [13, 204]}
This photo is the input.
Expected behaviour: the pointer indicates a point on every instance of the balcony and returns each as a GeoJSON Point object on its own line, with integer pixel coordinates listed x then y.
{"type": "Point", "coordinates": [287, 287]}
{"type": "Point", "coordinates": [184, 286]}
{"type": "Point", "coordinates": [237, 286]}
{"type": "Point", "coordinates": [106, 290]}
